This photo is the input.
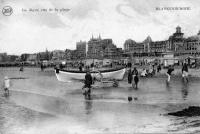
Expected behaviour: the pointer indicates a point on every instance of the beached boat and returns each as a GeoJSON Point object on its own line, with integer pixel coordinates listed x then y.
{"type": "Point", "coordinates": [69, 75]}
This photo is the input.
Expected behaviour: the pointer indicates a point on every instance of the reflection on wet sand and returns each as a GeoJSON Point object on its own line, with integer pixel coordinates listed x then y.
{"type": "Point", "coordinates": [41, 103]}
{"type": "Point", "coordinates": [88, 106]}
{"type": "Point", "coordinates": [40, 97]}
{"type": "Point", "coordinates": [185, 89]}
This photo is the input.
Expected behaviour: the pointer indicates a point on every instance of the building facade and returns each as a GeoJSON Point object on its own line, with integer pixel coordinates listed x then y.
{"type": "Point", "coordinates": [129, 45]}
{"type": "Point", "coordinates": [58, 55]}
{"type": "Point", "coordinates": [192, 45]}
{"type": "Point", "coordinates": [81, 49]}
{"type": "Point", "coordinates": [3, 57]}
{"type": "Point", "coordinates": [32, 57]}
{"type": "Point", "coordinates": [102, 48]}
{"type": "Point", "coordinates": [133, 48]}
{"type": "Point", "coordinates": [176, 44]}
{"type": "Point", "coordinates": [158, 46]}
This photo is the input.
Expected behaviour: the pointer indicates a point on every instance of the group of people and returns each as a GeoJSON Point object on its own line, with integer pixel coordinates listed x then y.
{"type": "Point", "coordinates": [133, 76]}
{"type": "Point", "coordinates": [184, 72]}
{"type": "Point", "coordinates": [134, 79]}
{"type": "Point", "coordinates": [150, 71]}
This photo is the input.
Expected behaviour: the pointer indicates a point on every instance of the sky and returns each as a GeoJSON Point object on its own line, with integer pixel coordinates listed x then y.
{"type": "Point", "coordinates": [31, 32]}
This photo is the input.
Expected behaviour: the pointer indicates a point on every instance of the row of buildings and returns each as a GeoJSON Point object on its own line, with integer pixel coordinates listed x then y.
{"type": "Point", "coordinates": [4, 57]}
{"type": "Point", "coordinates": [98, 48]}
{"type": "Point", "coordinates": [176, 44]}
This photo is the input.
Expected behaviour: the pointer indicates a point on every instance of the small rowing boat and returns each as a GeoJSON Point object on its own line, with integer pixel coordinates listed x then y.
{"type": "Point", "coordinates": [69, 75]}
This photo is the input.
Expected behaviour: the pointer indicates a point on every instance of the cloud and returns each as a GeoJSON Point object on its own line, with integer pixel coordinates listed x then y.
{"type": "Point", "coordinates": [83, 9]}
{"type": "Point", "coordinates": [48, 19]}
{"type": "Point", "coordinates": [116, 19]}
{"type": "Point", "coordinates": [145, 10]}
{"type": "Point", "coordinates": [142, 7]}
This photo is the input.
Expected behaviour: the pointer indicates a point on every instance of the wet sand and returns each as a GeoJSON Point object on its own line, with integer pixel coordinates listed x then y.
{"type": "Point", "coordinates": [41, 104]}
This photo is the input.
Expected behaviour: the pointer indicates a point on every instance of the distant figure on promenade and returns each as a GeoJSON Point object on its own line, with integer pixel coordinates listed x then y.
{"type": "Point", "coordinates": [92, 67]}
{"type": "Point", "coordinates": [6, 85]}
{"type": "Point", "coordinates": [80, 67]}
{"type": "Point", "coordinates": [158, 68]}
{"type": "Point", "coordinates": [185, 72]}
{"type": "Point", "coordinates": [169, 72]}
{"type": "Point", "coordinates": [129, 65]}
{"type": "Point", "coordinates": [144, 73]}
{"type": "Point", "coordinates": [60, 66]}
{"type": "Point", "coordinates": [42, 67]}
{"type": "Point", "coordinates": [88, 83]}
{"type": "Point", "coordinates": [135, 78]}
{"type": "Point", "coordinates": [21, 68]}
{"type": "Point", "coordinates": [151, 71]}
{"type": "Point", "coordinates": [87, 67]}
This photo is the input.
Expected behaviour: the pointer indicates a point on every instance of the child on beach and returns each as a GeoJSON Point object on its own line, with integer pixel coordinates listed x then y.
{"type": "Point", "coordinates": [6, 85]}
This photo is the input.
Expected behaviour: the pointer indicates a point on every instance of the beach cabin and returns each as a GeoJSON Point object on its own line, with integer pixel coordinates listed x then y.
{"type": "Point", "coordinates": [168, 59]}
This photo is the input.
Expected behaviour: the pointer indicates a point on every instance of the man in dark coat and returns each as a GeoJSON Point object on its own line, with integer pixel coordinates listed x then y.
{"type": "Point", "coordinates": [130, 77]}
{"type": "Point", "coordinates": [135, 76]}
{"type": "Point", "coordinates": [88, 83]}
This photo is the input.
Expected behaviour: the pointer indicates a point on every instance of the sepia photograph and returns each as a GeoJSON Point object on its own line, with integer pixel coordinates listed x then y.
{"type": "Point", "coordinates": [99, 66]}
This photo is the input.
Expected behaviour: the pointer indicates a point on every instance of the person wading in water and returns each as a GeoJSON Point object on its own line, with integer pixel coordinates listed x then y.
{"type": "Point", "coordinates": [169, 72]}
{"type": "Point", "coordinates": [185, 72]}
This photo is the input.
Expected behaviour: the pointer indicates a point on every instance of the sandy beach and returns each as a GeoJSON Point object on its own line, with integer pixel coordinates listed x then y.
{"type": "Point", "coordinates": [38, 103]}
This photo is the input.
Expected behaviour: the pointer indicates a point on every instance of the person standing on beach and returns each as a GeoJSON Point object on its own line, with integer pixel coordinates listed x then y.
{"type": "Point", "coordinates": [80, 67]}
{"type": "Point", "coordinates": [169, 72]}
{"type": "Point", "coordinates": [135, 77]}
{"type": "Point", "coordinates": [42, 66]}
{"type": "Point", "coordinates": [158, 68]}
{"type": "Point", "coordinates": [88, 83]}
{"type": "Point", "coordinates": [21, 67]}
{"type": "Point", "coordinates": [185, 72]}
{"type": "Point", "coordinates": [129, 70]}
{"type": "Point", "coordinates": [6, 85]}
{"type": "Point", "coordinates": [129, 65]}
{"type": "Point", "coordinates": [130, 76]}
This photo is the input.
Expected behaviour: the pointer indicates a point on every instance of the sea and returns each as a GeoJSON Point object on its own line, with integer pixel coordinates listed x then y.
{"type": "Point", "coordinates": [40, 104]}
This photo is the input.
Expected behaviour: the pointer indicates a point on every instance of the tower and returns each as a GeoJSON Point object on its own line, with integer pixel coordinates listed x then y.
{"type": "Point", "coordinates": [99, 36]}
{"type": "Point", "coordinates": [178, 29]}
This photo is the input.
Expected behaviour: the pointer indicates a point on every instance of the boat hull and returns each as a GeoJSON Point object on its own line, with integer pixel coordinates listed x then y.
{"type": "Point", "coordinates": [67, 76]}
